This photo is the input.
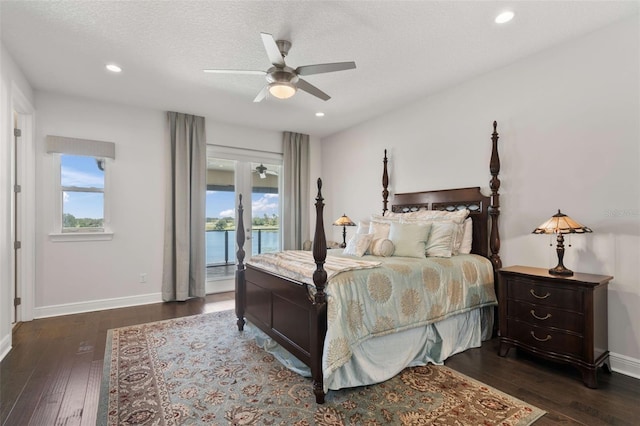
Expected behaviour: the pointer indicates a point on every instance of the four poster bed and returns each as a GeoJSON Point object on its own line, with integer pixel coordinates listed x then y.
{"type": "Point", "coordinates": [346, 338]}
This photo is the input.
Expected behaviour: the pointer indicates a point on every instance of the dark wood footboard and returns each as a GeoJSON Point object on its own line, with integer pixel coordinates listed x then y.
{"type": "Point", "coordinates": [291, 313]}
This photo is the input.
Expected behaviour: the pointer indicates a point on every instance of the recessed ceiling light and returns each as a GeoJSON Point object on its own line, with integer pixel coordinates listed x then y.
{"type": "Point", "coordinates": [113, 68]}
{"type": "Point", "coordinates": [319, 114]}
{"type": "Point", "coordinates": [504, 17]}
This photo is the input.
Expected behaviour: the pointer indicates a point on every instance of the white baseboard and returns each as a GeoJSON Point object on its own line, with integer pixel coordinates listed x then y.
{"type": "Point", "coordinates": [96, 305]}
{"type": "Point", "coordinates": [625, 365]}
{"type": "Point", "coordinates": [5, 345]}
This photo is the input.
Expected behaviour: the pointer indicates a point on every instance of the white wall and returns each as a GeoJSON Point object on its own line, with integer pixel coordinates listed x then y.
{"type": "Point", "coordinates": [80, 276]}
{"type": "Point", "coordinates": [12, 84]}
{"type": "Point", "coordinates": [569, 124]}
{"type": "Point", "coordinates": [102, 272]}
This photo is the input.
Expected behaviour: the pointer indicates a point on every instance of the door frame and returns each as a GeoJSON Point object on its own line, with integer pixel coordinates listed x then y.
{"type": "Point", "coordinates": [26, 173]}
{"type": "Point", "coordinates": [242, 185]}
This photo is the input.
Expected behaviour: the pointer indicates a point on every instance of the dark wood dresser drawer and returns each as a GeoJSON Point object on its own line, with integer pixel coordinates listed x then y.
{"type": "Point", "coordinates": [533, 292]}
{"type": "Point", "coordinates": [545, 316]}
{"type": "Point", "coordinates": [559, 317]}
{"type": "Point", "coordinates": [547, 339]}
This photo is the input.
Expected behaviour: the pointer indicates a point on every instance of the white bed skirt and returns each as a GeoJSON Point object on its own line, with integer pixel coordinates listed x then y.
{"type": "Point", "coordinates": [381, 358]}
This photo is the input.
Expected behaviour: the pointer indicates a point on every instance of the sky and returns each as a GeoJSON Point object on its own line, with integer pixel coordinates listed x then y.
{"type": "Point", "coordinates": [223, 204]}
{"type": "Point", "coordinates": [81, 171]}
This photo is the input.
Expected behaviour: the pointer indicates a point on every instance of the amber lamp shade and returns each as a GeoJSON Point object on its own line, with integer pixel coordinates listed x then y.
{"type": "Point", "coordinates": [344, 221]}
{"type": "Point", "coordinates": [561, 224]}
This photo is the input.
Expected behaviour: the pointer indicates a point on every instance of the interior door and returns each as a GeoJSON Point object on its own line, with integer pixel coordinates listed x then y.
{"type": "Point", "coordinates": [258, 178]}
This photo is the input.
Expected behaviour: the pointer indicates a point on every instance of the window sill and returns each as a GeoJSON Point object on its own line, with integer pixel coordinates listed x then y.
{"type": "Point", "coordinates": [81, 236]}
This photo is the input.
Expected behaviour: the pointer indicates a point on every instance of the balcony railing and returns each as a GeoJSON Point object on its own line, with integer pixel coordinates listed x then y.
{"type": "Point", "coordinates": [220, 245]}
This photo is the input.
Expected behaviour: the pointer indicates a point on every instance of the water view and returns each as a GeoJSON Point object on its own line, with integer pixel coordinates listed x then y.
{"type": "Point", "coordinates": [221, 245]}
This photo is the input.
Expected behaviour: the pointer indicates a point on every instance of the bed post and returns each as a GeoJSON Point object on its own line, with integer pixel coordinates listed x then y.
{"type": "Point", "coordinates": [385, 184]}
{"type": "Point", "coordinates": [240, 282]}
{"type": "Point", "coordinates": [494, 207]}
{"type": "Point", "coordinates": [319, 322]}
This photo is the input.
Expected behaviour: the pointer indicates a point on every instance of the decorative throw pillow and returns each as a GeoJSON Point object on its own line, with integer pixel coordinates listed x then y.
{"type": "Point", "coordinates": [382, 247]}
{"type": "Point", "coordinates": [380, 230]}
{"type": "Point", "coordinates": [457, 239]}
{"type": "Point", "coordinates": [409, 239]}
{"type": "Point", "coordinates": [467, 237]}
{"type": "Point", "coordinates": [441, 239]}
{"type": "Point", "coordinates": [358, 244]}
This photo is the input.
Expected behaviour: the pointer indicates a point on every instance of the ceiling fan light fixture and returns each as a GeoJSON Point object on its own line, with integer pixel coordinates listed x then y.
{"type": "Point", "coordinates": [282, 89]}
{"type": "Point", "coordinates": [262, 171]}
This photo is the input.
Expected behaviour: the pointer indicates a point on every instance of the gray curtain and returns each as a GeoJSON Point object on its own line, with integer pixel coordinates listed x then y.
{"type": "Point", "coordinates": [295, 220]}
{"type": "Point", "coordinates": [184, 250]}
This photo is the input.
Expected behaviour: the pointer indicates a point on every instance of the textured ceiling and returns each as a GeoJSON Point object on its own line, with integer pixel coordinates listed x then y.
{"type": "Point", "coordinates": [404, 51]}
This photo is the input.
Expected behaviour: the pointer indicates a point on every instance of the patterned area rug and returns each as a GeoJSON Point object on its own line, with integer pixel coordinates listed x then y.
{"type": "Point", "coordinates": [200, 370]}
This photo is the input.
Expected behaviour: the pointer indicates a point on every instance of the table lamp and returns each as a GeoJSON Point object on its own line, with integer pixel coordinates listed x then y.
{"type": "Point", "coordinates": [561, 224]}
{"type": "Point", "coordinates": [344, 221]}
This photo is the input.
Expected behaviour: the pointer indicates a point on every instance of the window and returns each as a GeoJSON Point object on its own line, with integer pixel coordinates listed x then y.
{"type": "Point", "coordinates": [81, 188]}
{"type": "Point", "coordinates": [82, 192]}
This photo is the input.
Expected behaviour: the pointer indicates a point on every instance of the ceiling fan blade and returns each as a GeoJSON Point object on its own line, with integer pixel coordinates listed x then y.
{"type": "Point", "coordinates": [262, 94]}
{"type": "Point", "coordinates": [275, 57]}
{"type": "Point", "coordinates": [311, 89]}
{"type": "Point", "coordinates": [251, 72]}
{"type": "Point", "coordinates": [322, 68]}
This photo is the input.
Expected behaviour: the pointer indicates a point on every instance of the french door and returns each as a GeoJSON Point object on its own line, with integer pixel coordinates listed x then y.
{"type": "Point", "coordinates": [257, 176]}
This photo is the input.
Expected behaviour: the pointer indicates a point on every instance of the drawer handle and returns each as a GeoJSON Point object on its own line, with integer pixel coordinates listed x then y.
{"type": "Point", "coordinates": [533, 313]}
{"type": "Point", "coordinates": [533, 293]}
{"type": "Point", "coordinates": [539, 339]}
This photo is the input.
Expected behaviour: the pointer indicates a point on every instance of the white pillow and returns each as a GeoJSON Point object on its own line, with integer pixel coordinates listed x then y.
{"type": "Point", "coordinates": [382, 247]}
{"type": "Point", "coordinates": [363, 227]}
{"type": "Point", "coordinates": [380, 230]}
{"type": "Point", "coordinates": [385, 218]}
{"type": "Point", "coordinates": [467, 237]}
{"type": "Point", "coordinates": [409, 239]}
{"type": "Point", "coordinates": [358, 244]}
{"type": "Point", "coordinates": [457, 216]}
{"type": "Point", "coordinates": [441, 239]}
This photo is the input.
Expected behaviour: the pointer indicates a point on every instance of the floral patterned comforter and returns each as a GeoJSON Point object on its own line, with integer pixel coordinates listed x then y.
{"type": "Point", "coordinates": [393, 294]}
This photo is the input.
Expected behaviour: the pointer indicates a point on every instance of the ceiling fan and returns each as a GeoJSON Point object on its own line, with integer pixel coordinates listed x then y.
{"type": "Point", "coordinates": [284, 81]}
{"type": "Point", "coordinates": [262, 171]}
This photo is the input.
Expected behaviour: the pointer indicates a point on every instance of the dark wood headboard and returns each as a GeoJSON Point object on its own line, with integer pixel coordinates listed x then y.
{"type": "Point", "coordinates": [452, 200]}
{"type": "Point", "coordinates": [484, 210]}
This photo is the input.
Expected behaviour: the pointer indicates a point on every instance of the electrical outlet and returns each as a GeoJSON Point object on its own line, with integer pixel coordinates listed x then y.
{"type": "Point", "coordinates": [143, 277]}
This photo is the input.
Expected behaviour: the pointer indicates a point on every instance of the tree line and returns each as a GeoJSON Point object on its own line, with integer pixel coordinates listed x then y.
{"type": "Point", "coordinates": [228, 223]}
{"type": "Point", "coordinates": [70, 221]}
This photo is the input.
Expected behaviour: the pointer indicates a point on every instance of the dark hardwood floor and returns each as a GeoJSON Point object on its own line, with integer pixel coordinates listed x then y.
{"type": "Point", "coordinates": [52, 375]}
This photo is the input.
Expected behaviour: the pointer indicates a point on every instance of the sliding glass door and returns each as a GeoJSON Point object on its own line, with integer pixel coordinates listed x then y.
{"type": "Point", "coordinates": [258, 178]}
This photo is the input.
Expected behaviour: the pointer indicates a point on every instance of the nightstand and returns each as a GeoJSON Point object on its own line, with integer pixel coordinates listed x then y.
{"type": "Point", "coordinates": [556, 317]}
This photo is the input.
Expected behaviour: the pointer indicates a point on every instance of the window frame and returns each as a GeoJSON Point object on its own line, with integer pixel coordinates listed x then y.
{"type": "Point", "coordinates": [89, 234]}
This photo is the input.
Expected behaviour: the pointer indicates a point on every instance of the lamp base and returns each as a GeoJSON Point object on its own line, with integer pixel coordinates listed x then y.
{"type": "Point", "coordinates": [561, 270]}
{"type": "Point", "coordinates": [343, 245]}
